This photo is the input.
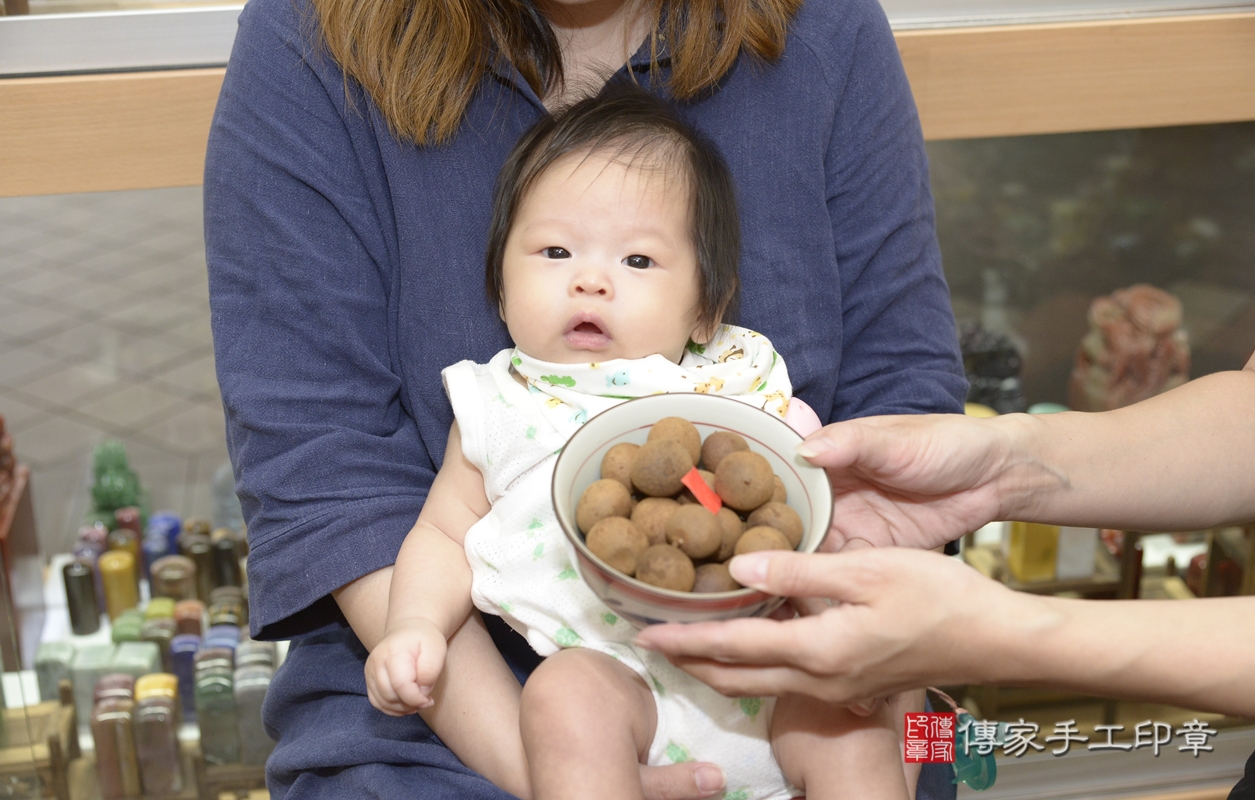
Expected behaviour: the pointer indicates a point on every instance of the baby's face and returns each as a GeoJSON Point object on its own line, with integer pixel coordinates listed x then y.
{"type": "Point", "coordinates": [600, 264]}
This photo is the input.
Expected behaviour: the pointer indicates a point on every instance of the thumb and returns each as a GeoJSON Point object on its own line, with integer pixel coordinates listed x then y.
{"type": "Point", "coordinates": [429, 663]}
{"type": "Point", "coordinates": [787, 574]}
{"type": "Point", "coordinates": [688, 780]}
{"type": "Point", "coordinates": [836, 446]}
{"type": "Point", "coordinates": [877, 446]}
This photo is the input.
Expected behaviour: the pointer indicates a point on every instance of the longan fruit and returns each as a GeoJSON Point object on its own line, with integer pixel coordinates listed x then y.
{"type": "Point", "coordinates": [678, 430]}
{"type": "Point", "coordinates": [658, 467]}
{"type": "Point", "coordinates": [695, 531]}
{"type": "Point", "coordinates": [714, 578]}
{"type": "Point", "coordinates": [616, 464]}
{"type": "Point", "coordinates": [730, 528]}
{"type": "Point", "coordinates": [604, 498]}
{"type": "Point", "coordinates": [667, 568]}
{"type": "Point", "coordinates": [617, 542]}
{"type": "Point", "coordinates": [761, 538]}
{"type": "Point", "coordinates": [743, 480]}
{"type": "Point", "coordinates": [781, 517]}
{"type": "Point", "coordinates": [779, 494]}
{"type": "Point", "coordinates": [718, 445]}
{"type": "Point", "coordinates": [651, 515]}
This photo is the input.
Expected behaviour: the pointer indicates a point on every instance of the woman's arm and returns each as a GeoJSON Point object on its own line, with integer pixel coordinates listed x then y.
{"type": "Point", "coordinates": [899, 345]}
{"type": "Point", "coordinates": [908, 618]}
{"type": "Point", "coordinates": [331, 468]}
{"type": "Point", "coordinates": [1184, 459]}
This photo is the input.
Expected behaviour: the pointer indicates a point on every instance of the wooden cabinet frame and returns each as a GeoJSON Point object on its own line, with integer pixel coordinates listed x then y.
{"type": "Point", "coordinates": [148, 129]}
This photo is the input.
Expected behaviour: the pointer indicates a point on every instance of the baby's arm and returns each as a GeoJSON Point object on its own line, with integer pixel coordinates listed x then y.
{"type": "Point", "coordinates": [430, 596]}
{"type": "Point", "coordinates": [472, 702]}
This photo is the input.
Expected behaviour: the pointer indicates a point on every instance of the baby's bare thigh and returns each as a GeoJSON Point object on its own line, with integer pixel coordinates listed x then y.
{"type": "Point", "coordinates": [581, 690]}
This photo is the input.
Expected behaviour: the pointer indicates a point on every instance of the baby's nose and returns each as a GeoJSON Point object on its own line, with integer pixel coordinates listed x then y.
{"type": "Point", "coordinates": [591, 281]}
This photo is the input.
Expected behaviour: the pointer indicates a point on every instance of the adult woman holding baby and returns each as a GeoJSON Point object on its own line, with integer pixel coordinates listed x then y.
{"type": "Point", "coordinates": [347, 193]}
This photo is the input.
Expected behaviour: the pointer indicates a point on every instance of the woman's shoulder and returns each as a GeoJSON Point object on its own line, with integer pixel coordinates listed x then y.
{"type": "Point", "coordinates": [838, 32]}
{"type": "Point", "coordinates": [281, 39]}
{"type": "Point", "coordinates": [290, 20]}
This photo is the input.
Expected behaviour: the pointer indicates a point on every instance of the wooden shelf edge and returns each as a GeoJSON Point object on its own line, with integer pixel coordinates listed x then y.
{"type": "Point", "coordinates": [1065, 77]}
{"type": "Point", "coordinates": [88, 133]}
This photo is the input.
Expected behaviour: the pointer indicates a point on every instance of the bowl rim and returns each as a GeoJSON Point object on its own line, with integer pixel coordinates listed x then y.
{"type": "Point", "coordinates": [750, 595]}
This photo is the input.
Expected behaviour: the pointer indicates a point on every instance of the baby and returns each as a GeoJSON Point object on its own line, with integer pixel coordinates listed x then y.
{"type": "Point", "coordinates": [613, 259]}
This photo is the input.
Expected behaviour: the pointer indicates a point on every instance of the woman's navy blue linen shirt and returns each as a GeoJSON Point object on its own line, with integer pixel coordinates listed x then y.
{"type": "Point", "coordinates": [346, 270]}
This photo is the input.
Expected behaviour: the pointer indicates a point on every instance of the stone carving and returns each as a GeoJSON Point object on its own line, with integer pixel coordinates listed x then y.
{"type": "Point", "coordinates": [1135, 349]}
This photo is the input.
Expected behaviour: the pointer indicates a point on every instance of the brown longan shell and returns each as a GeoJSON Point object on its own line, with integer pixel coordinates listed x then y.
{"type": "Point", "coordinates": [617, 542]}
{"type": "Point", "coordinates": [761, 538]}
{"type": "Point", "coordinates": [714, 578]}
{"type": "Point", "coordinates": [781, 517]}
{"type": "Point", "coordinates": [730, 528]}
{"type": "Point", "coordinates": [604, 498]}
{"type": "Point", "coordinates": [616, 464]}
{"type": "Point", "coordinates": [679, 430]}
{"type": "Point", "coordinates": [651, 515]}
{"type": "Point", "coordinates": [779, 494]}
{"type": "Point", "coordinates": [718, 445]}
{"type": "Point", "coordinates": [743, 480]}
{"type": "Point", "coordinates": [695, 531]}
{"type": "Point", "coordinates": [658, 467]}
{"type": "Point", "coordinates": [667, 568]}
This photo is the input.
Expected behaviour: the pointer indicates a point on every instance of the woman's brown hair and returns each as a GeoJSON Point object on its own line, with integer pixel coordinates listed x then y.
{"type": "Point", "coordinates": [422, 60]}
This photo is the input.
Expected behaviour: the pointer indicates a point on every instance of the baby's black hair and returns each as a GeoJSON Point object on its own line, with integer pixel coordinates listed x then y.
{"type": "Point", "coordinates": [632, 124]}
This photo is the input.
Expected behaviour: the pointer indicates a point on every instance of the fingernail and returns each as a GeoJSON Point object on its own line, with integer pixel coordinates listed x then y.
{"type": "Point", "coordinates": [749, 570]}
{"type": "Point", "coordinates": [809, 449]}
{"type": "Point", "coordinates": [644, 644]}
{"type": "Point", "coordinates": [709, 779]}
{"type": "Point", "coordinates": [428, 704]}
{"type": "Point", "coordinates": [426, 690]}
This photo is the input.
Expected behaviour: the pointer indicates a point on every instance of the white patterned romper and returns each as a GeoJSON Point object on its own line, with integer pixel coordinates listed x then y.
{"type": "Point", "coordinates": [518, 554]}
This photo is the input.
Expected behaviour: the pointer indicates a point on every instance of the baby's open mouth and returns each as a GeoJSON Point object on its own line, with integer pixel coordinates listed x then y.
{"type": "Point", "coordinates": [587, 332]}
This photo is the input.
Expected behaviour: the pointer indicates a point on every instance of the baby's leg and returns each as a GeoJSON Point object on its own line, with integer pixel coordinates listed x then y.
{"type": "Point", "coordinates": [587, 724]}
{"type": "Point", "coordinates": [833, 754]}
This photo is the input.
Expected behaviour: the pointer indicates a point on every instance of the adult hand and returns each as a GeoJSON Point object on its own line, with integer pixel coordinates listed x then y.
{"type": "Point", "coordinates": [912, 480]}
{"type": "Point", "coordinates": [904, 619]}
{"type": "Point", "coordinates": [689, 780]}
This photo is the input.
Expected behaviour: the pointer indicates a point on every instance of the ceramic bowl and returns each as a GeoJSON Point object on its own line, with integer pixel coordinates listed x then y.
{"type": "Point", "coordinates": [579, 464]}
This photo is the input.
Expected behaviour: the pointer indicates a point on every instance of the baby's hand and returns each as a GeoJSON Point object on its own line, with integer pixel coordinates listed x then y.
{"type": "Point", "coordinates": [403, 668]}
{"type": "Point", "coordinates": [802, 418]}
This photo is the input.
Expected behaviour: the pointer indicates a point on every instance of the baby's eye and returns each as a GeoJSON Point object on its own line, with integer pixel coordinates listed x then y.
{"type": "Point", "coordinates": [556, 252]}
{"type": "Point", "coordinates": [639, 262]}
